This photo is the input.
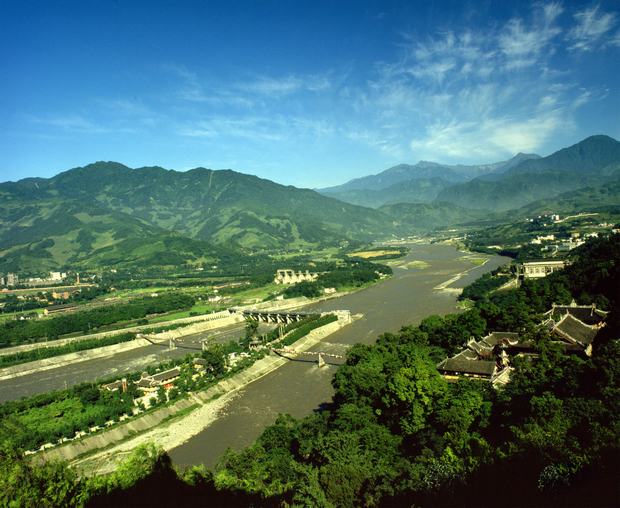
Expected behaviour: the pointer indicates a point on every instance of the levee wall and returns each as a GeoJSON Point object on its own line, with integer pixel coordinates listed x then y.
{"type": "Point", "coordinates": [113, 333]}
{"type": "Point", "coordinates": [144, 423]}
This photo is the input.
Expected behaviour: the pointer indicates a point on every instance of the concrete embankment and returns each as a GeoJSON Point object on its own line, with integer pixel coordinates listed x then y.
{"type": "Point", "coordinates": [197, 328]}
{"type": "Point", "coordinates": [445, 286]}
{"type": "Point", "coordinates": [290, 303]}
{"type": "Point", "coordinates": [179, 430]}
{"type": "Point", "coordinates": [24, 369]}
{"type": "Point", "coordinates": [113, 333]}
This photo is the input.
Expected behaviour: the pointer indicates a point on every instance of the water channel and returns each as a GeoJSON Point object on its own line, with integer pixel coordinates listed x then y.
{"type": "Point", "coordinates": [298, 388]}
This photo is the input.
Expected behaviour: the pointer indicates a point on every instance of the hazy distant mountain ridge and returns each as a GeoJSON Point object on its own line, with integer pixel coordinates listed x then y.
{"type": "Point", "coordinates": [419, 183]}
{"type": "Point", "coordinates": [422, 190]}
{"type": "Point", "coordinates": [591, 162]}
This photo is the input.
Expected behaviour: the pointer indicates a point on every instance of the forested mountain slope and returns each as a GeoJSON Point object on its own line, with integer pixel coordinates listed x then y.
{"type": "Point", "coordinates": [417, 183]}
{"type": "Point", "coordinates": [591, 162]}
{"type": "Point", "coordinates": [100, 207]}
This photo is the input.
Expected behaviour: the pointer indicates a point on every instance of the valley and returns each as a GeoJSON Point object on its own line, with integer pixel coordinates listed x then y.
{"type": "Point", "coordinates": [137, 316]}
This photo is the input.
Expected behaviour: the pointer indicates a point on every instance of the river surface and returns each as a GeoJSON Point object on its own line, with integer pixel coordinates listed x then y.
{"type": "Point", "coordinates": [300, 387]}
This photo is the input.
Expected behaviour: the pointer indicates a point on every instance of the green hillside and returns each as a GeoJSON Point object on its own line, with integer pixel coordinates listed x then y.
{"type": "Point", "coordinates": [53, 233]}
{"type": "Point", "coordinates": [422, 190]}
{"type": "Point", "coordinates": [602, 199]}
{"type": "Point", "coordinates": [107, 213]}
{"type": "Point", "coordinates": [422, 217]}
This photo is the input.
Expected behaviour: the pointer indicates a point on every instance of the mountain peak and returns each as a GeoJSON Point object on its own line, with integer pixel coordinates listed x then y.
{"type": "Point", "coordinates": [103, 166]}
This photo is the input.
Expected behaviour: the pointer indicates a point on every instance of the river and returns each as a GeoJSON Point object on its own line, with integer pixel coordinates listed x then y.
{"type": "Point", "coordinates": [298, 388]}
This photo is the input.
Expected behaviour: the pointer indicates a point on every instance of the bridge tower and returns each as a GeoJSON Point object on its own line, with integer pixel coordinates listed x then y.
{"type": "Point", "coordinates": [320, 362]}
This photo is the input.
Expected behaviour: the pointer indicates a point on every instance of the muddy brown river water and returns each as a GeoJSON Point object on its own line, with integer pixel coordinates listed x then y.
{"type": "Point", "coordinates": [298, 388]}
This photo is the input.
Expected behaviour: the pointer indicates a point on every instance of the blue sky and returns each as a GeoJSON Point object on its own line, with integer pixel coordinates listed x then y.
{"type": "Point", "coordinates": [304, 93]}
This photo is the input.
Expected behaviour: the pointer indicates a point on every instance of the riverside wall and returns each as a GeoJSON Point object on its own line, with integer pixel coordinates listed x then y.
{"type": "Point", "coordinates": [290, 303]}
{"type": "Point", "coordinates": [112, 333]}
{"type": "Point", "coordinates": [24, 369]}
{"type": "Point", "coordinates": [146, 422]}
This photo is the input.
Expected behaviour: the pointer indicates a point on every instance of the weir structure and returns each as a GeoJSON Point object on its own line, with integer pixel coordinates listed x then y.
{"type": "Point", "coordinates": [276, 316]}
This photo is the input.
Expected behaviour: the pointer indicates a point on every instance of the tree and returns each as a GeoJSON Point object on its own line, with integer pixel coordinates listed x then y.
{"type": "Point", "coordinates": [25, 484]}
{"type": "Point", "coordinates": [413, 391]}
{"type": "Point", "coordinates": [216, 360]}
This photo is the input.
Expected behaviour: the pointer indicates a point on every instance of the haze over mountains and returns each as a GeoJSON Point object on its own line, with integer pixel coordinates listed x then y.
{"type": "Point", "coordinates": [108, 214]}
{"type": "Point", "coordinates": [420, 183]}
{"type": "Point", "coordinates": [499, 186]}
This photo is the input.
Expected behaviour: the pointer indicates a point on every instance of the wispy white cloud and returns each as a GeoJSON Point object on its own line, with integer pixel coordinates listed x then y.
{"type": "Point", "coordinates": [378, 140]}
{"type": "Point", "coordinates": [591, 28]}
{"type": "Point", "coordinates": [523, 45]}
{"type": "Point", "coordinates": [256, 128]}
{"type": "Point", "coordinates": [70, 122]}
{"type": "Point", "coordinates": [285, 85]}
{"type": "Point", "coordinates": [190, 88]}
{"type": "Point", "coordinates": [253, 128]}
{"type": "Point", "coordinates": [245, 93]}
{"type": "Point", "coordinates": [488, 139]}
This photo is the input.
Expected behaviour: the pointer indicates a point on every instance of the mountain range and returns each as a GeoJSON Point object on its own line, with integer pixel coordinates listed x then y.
{"type": "Point", "coordinates": [107, 214]}
{"type": "Point", "coordinates": [492, 187]}
{"type": "Point", "coordinates": [419, 183]}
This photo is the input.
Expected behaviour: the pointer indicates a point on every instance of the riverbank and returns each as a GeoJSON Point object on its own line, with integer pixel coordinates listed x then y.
{"type": "Point", "coordinates": [298, 388]}
{"type": "Point", "coordinates": [162, 427]}
{"type": "Point", "coordinates": [445, 286]}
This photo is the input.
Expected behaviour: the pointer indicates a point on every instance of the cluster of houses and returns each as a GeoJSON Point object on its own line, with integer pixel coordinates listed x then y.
{"type": "Point", "coordinates": [573, 327]}
{"type": "Point", "coordinates": [13, 279]}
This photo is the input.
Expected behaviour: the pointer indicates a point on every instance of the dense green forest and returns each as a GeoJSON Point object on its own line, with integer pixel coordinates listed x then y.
{"type": "Point", "coordinates": [397, 434]}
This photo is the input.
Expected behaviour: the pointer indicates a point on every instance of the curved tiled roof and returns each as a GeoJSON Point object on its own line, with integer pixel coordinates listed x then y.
{"type": "Point", "coordinates": [574, 330]}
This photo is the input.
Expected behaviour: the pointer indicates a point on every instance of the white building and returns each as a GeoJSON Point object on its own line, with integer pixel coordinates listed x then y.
{"type": "Point", "coordinates": [537, 269]}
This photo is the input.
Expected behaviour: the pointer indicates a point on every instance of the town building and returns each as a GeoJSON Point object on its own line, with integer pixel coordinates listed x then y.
{"type": "Point", "coordinates": [59, 308]}
{"type": "Point", "coordinates": [115, 386]}
{"type": "Point", "coordinates": [537, 269]}
{"type": "Point", "coordinates": [57, 276]}
{"type": "Point", "coordinates": [286, 276]}
{"type": "Point", "coordinates": [12, 279]}
{"type": "Point", "coordinates": [588, 314]}
{"type": "Point", "coordinates": [148, 383]}
{"type": "Point", "coordinates": [542, 238]}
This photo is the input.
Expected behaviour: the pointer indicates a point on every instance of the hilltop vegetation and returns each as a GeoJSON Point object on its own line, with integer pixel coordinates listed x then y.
{"type": "Point", "coordinates": [106, 214]}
